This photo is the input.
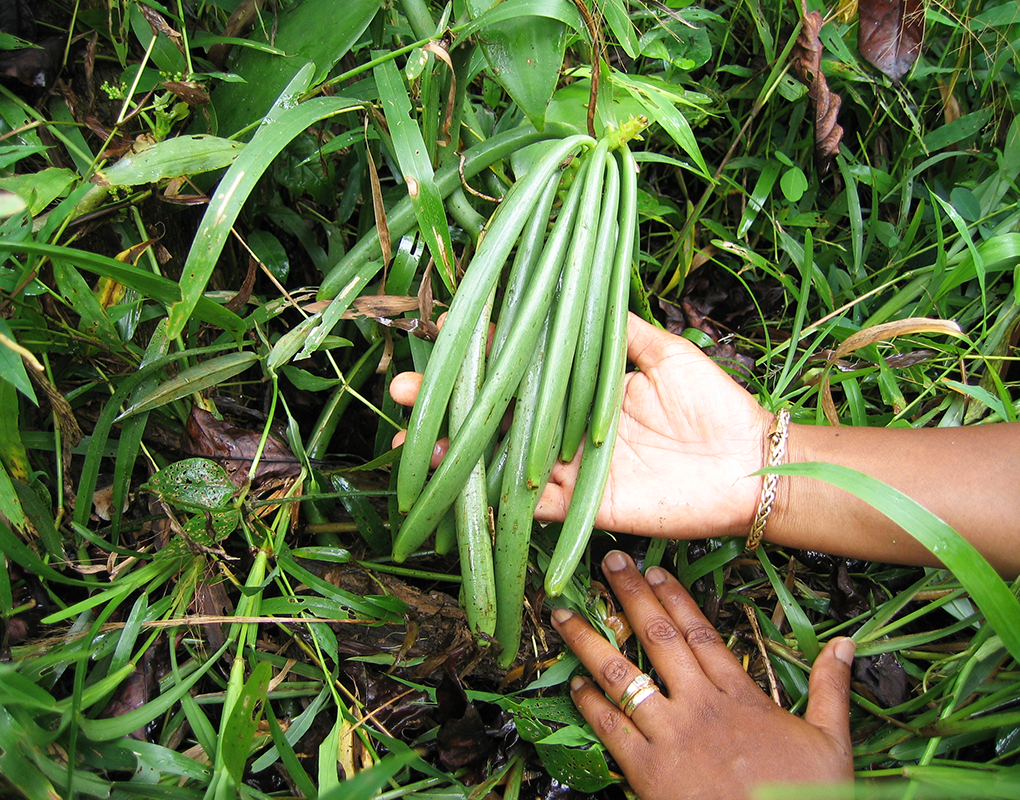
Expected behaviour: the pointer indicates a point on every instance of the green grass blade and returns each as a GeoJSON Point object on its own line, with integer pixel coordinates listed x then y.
{"type": "Point", "coordinates": [194, 379]}
{"type": "Point", "coordinates": [101, 730]}
{"type": "Point", "coordinates": [807, 641]}
{"type": "Point", "coordinates": [283, 123]}
{"type": "Point", "coordinates": [416, 167]}
{"type": "Point", "coordinates": [162, 290]}
{"type": "Point", "coordinates": [989, 591]}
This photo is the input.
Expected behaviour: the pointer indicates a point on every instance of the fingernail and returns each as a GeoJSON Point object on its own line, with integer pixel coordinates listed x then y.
{"type": "Point", "coordinates": [614, 561]}
{"type": "Point", "coordinates": [561, 615]}
{"type": "Point", "coordinates": [656, 575]}
{"type": "Point", "coordinates": [576, 683]}
{"type": "Point", "coordinates": [845, 649]}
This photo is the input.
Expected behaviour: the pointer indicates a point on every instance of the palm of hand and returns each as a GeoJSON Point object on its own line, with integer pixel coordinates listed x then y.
{"type": "Point", "coordinates": [689, 437]}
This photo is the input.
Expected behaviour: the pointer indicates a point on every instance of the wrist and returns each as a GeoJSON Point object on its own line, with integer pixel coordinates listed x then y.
{"type": "Point", "coordinates": [775, 445]}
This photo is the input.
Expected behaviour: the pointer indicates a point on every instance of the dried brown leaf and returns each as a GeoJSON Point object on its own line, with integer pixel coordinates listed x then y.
{"type": "Point", "coordinates": [235, 448]}
{"type": "Point", "coordinates": [890, 330]}
{"type": "Point", "coordinates": [890, 33]}
{"type": "Point", "coordinates": [879, 333]}
{"type": "Point", "coordinates": [806, 59]}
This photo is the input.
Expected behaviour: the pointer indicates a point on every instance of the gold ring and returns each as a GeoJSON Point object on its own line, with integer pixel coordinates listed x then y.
{"type": "Point", "coordinates": [637, 691]}
{"type": "Point", "coordinates": [638, 698]}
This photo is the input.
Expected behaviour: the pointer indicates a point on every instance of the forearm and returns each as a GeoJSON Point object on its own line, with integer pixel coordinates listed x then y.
{"type": "Point", "coordinates": [966, 476]}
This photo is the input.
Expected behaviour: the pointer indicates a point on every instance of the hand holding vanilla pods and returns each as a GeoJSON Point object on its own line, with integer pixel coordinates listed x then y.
{"type": "Point", "coordinates": [688, 443]}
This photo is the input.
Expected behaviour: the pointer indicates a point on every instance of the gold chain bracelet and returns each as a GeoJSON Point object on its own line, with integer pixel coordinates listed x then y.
{"type": "Point", "coordinates": [777, 439]}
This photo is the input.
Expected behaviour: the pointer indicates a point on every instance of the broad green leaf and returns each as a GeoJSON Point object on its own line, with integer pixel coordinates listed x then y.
{"type": "Point", "coordinates": [991, 256]}
{"type": "Point", "coordinates": [93, 320]}
{"type": "Point", "coordinates": [17, 690]}
{"type": "Point", "coordinates": [337, 25]}
{"type": "Point", "coordinates": [498, 13]}
{"type": "Point", "coordinates": [182, 155]}
{"type": "Point", "coordinates": [166, 54]}
{"type": "Point", "coordinates": [991, 594]}
{"type": "Point", "coordinates": [193, 379]}
{"type": "Point", "coordinates": [240, 727]}
{"type": "Point", "coordinates": [370, 524]}
{"type": "Point", "coordinates": [525, 56]}
{"type": "Point", "coordinates": [618, 17]}
{"type": "Point", "coordinates": [963, 128]}
{"type": "Point", "coordinates": [660, 104]}
{"type": "Point", "coordinates": [193, 484]}
{"type": "Point", "coordinates": [39, 189]}
{"type": "Point", "coordinates": [582, 769]}
{"type": "Point", "coordinates": [15, 765]}
{"type": "Point", "coordinates": [10, 505]}
{"type": "Point", "coordinates": [284, 122]}
{"type": "Point", "coordinates": [12, 367]}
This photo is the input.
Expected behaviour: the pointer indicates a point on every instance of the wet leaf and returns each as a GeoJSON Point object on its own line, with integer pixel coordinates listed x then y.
{"type": "Point", "coordinates": [884, 677]}
{"type": "Point", "coordinates": [267, 71]}
{"type": "Point", "coordinates": [240, 727]}
{"type": "Point", "coordinates": [194, 379]}
{"type": "Point", "coordinates": [525, 55]}
{"type": "Point", "coordinates": [890, 33]}
{"type": "Point", "coordinates": [193, 484]}
{"type": "Point", "coordinates": [235, 447]}
{"type": "Point", "coordinates": [281, 126]}
{"type": "Point", "coordinates": [582, 769]}
{"type": "Point", "coordinates": [182, 155]}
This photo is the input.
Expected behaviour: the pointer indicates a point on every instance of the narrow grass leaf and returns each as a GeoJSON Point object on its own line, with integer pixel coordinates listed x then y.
{"type": "Point", "coordinates": [194, 379]}
{"type": "Point", "coordinates": [163, 290]}
{"type": "Point", "coordinates": [282, 125]}
{"type": "Point", "coordinates": [807, 640]}
{"type": "Point", "coordinates": [977, 260]}
{"type": "Point", "coordinates": [114, 727]}
{"type": "Point", "coordinates": [369, 781]}
{"type": "Point", "coordinates": [987, 589]}
{"type": "Point", "coordinates": [415, 164]}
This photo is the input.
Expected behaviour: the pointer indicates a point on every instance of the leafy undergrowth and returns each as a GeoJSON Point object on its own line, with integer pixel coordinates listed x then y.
{"type": "Point", "coordinates": [196, 497]}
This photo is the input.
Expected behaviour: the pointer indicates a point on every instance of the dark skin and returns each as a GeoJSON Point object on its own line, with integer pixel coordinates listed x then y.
{"type": "Point", "coordinates": [689, 442]}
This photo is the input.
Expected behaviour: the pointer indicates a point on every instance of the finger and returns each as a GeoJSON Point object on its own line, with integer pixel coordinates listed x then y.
{"type": "Point", "coordinates": [438, 452]}
{"type": "Point", "coordinates": [645, 342]}
{"type": "Point", "coordinates": [664, 640]}
{"type": "Point", "coordinates": [703, 641]}
{"type": "Point", "coordinates": [828, 705]}
{"type": "Point", "coordinates": [624, 739]}
{"type": "Point", "coordinates": [404, 388]}
{"type": "Point", "coordinates": [610, 668]}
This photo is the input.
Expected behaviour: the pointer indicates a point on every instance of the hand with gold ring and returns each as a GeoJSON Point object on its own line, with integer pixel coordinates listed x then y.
{"type": "Point", "coordinates": [713, 733]}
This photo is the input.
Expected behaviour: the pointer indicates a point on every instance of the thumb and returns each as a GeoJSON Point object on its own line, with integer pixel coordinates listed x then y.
{"type": "Point", "coordinates": [645, 342]}
{"type": "Point", "coordinates": [828, 707]}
